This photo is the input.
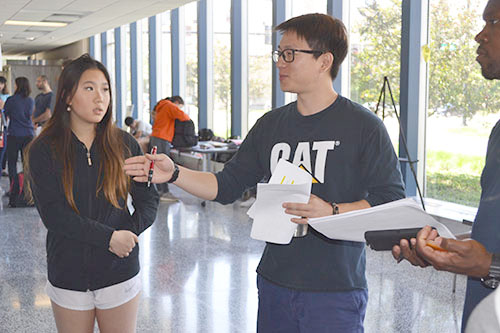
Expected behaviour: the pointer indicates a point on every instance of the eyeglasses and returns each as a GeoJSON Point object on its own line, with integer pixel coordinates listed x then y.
{"type": "Point", "coordinates": [289, 54]}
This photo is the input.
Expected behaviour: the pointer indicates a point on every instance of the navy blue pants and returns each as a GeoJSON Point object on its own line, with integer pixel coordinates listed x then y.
{"type": "Point", "coordinates": [287, 310]}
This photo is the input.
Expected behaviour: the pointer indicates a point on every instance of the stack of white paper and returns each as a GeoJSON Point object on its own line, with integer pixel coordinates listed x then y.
{"type": "Point", "coordinates": [287, 184]}
{"type": "Point", "coordinates": [400, 214]}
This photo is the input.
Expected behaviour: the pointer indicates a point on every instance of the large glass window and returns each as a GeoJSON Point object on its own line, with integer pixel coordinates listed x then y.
{"type": "Point", "coordinates": [128, 86]}
{"type": "Point", "coordinates": [301, 7]}
{"type": "Point", "coordinates": [143, 26]}
{"type": "Point", "coordinates": [191, 50]}
{"type": "Point", "coordinates": [97, 47]}
{"type": "Point", "coordinates": [165, 76]}
{"type": "Point", "coordinates": [462, 104]}
{"type": "Point", "coordinates": [375, 43]}
{"type": "Point", "coordinates": [110, 54]}
{"type": "Point", "coordinates": [259, 59]}
{"type": "Point", "coordinates": [222, 69]}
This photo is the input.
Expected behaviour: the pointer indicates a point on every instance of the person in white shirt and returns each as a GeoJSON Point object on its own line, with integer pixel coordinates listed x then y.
{"type": "Point", "coordinates": [141, 130]}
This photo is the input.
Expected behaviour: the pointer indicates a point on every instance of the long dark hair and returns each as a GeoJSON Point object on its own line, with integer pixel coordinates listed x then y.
{"type": "Point", "coordinates": [4, 91]}
{"type": "Point", "coordinates": [109, 139]}
{"type": "Point", "coordinates": [22, 87]}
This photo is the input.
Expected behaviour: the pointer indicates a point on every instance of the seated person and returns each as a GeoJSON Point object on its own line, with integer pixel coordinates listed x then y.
{"type": "Point", "coordinates": [141, 130]}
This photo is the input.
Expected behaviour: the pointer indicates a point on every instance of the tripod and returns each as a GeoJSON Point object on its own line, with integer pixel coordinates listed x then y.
{"type": "Point", "coordinates": [401, 133]}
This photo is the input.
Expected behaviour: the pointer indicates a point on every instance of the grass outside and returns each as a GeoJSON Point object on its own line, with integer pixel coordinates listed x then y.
{"type": "Point", "coordinates": [454, 177]}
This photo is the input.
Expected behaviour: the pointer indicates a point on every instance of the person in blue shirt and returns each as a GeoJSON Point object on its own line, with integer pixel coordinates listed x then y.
{"type": "Point", "coordinates": [4, 94]}
{"type": "Point", "coordinates": [479, 257]}
{"type": "Point", "coordinates": [18, 109]}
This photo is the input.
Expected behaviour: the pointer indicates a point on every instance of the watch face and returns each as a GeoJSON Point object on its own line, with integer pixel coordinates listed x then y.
{"type": "Point", "coordinates": [490, 282]}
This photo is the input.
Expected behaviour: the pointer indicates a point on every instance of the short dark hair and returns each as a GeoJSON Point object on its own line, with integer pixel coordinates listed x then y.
{"type": "Point", "coordinates": [22, 86]}
{"type": "Point", "coordinates": [321, 32]}
{"type": "Point", "coordinates": [44, 78]}
{"type": "Point", "coordinates": [175, 99]}
{"type": "Point", "coordinates": [3, 80]}
{"type": "Point", "coordinates": [129, 121]}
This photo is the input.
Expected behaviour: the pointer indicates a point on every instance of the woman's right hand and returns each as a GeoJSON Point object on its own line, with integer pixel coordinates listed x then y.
{"type": "Point", "coordinates": [122, 242]}
{"type": "Point", "coordinates": [138, 167]}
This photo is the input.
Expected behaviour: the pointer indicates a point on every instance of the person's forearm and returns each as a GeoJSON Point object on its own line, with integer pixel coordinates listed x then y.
{"type": "Point", "coordinates": [201, 184]}
{"type": "Point", "coordinates": [43, 117]}
{"type": "Point", "coordinates": [350, 206]}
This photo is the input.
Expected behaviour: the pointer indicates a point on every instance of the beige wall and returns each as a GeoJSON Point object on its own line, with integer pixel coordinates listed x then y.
{"type": "Point", "coordinates": [70, 51]}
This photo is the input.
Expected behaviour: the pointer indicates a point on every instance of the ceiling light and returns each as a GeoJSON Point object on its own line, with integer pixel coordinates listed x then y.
{"type": "Point", "coordinates": [30, 38]}
{"type": "Point", "coordinates": [37, 24]}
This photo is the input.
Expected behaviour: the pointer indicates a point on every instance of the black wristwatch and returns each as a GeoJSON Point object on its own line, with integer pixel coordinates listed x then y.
{"type": "Point", "coordinates": [175, 174]}
{"type": "Point", "coordinates": [493, 279]}
{"type": "Point", "coordinates": [335, 208]}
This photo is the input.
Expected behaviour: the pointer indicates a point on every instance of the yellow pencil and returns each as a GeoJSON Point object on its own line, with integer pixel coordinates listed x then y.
{"type": "Point", "coordinates": [435, 246]}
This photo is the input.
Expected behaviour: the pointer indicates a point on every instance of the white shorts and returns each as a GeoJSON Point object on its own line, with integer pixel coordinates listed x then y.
{"type": "Point", "coordinates": [104, 298]}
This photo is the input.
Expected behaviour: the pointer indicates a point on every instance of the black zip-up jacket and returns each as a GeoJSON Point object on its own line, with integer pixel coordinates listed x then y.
{"type": "Point", "coordinates": [78, 256]}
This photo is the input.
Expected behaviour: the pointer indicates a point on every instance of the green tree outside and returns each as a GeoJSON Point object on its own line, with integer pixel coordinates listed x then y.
{"type": "Point", "coordinates": [456, 86]}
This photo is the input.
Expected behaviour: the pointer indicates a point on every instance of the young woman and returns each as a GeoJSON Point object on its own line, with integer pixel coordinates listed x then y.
{"type": "Point", "coordinates": [92, 210]}
{"type": "Point", "coordinates": [4, 94]}
{"type": "Point", "coordinates": [18, 110]}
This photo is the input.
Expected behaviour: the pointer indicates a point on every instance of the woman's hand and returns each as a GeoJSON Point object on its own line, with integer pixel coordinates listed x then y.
{"type": "Point", "coordinates": [122, 242]}
{"type": "Point", "coordinates": [138, 167]}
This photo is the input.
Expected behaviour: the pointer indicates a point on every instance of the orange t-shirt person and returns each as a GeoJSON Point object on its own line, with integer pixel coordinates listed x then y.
{"type": "Point", "coordinates": [166, 113]}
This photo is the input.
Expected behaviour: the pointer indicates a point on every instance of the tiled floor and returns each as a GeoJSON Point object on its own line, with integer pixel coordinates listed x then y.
{"type": "Point", "coordinates": [198, 272]}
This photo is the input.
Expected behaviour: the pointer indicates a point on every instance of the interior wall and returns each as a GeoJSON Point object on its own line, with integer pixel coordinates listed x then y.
{"type": "Point", "coordinates": [70, 51]}
{"type": "Point", "coordinates": [31, 72]}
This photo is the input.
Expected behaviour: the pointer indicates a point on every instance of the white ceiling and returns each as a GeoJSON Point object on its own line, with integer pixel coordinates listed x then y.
{"type": "Point", "coordinates": [85, 18]}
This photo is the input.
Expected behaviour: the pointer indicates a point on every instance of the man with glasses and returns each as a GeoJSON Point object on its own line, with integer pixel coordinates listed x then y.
{"type": "Point", "coordinates": [313, 284]}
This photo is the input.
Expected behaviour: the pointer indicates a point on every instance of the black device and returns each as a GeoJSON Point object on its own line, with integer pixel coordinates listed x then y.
{"type": "Point", "coordinates": [384, 240]}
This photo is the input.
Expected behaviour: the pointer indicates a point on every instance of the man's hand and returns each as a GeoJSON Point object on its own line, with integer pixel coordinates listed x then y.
{"type": "Point", "coordinates": [138, 167]}
{"type": "Point", "coordinates": [405, 251]}
{"type": "Point", "coordinates": [468, 257]}
{"type": "Point", "coordinates": [316, 207]}
{"type": "Point", "coordinates": [122, 242]}
{"type": "Point", "coordinates": [410, 253]}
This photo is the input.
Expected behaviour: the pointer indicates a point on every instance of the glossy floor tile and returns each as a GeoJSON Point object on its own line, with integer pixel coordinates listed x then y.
{"type": "Point", "coordinates": [198, 271]}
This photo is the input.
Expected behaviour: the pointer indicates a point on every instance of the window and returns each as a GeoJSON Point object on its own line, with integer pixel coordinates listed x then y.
{"type": "Point", "coordinates": [259, 59]}
{"type": "Point", "coordinates": [97, 47]}
{"type": "Point", "coordinates": [222, 69]}
{"type": "Point", "coordinates": [300, 7]}
{"type": "Point", "coordinates": [375, 51]}
{"type": "Point", "coordinates": [143, 28]}
{"type": "Point", "coordinates": [191, 56]}
{"type": "Point", "coordinates": [128, 86]}
{"type": "Point", "coordinates": [462, 104]}
{"type": "Point", "coordinates": [110, 54]}
{"type": "Point", "coordinates": [165, 55]}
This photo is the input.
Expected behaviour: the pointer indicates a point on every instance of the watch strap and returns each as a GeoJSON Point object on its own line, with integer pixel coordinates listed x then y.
{"type": "Point", "coordinates": [495, 266]}
{"type": "Point", "coordinates": [175, 174]}
{"type": "Point", "coordinates": [335, 208]}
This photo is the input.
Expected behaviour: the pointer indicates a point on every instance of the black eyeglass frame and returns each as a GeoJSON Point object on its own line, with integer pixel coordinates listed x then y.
{"type": "Point", "coordinates": [277, 54]}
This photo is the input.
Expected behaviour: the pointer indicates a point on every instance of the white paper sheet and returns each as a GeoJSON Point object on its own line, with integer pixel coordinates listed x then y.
{"type": "Point", "coordinates": [288, 183]}
{"type": "Point", "coordinates": [284, 173]}
{"type": "Point", "coordinates": [271, 223]}
{"type": "Point", "coordinates": [400, 214]}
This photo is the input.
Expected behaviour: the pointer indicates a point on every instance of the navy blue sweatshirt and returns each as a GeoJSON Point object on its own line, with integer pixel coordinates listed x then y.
{"type": "Point", "coordinates": [19, 110]}
{"type": "Point", "coordinates": [348, 151]}
{"type": "Point", "coordinates": [78, 256]}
